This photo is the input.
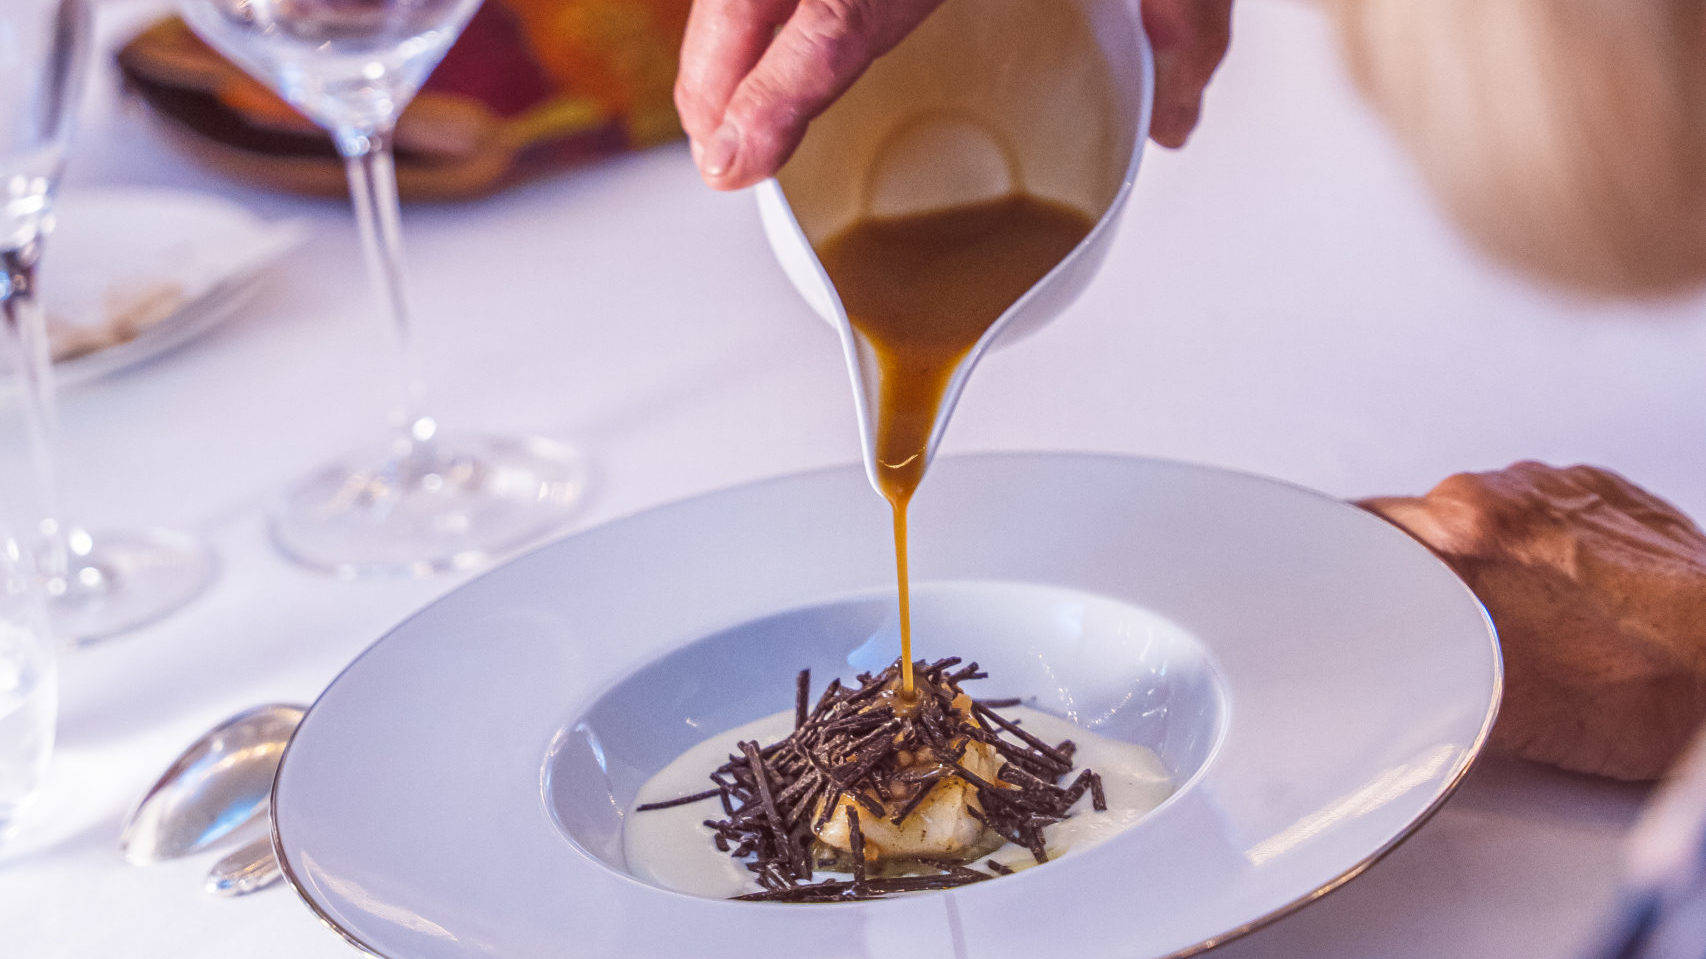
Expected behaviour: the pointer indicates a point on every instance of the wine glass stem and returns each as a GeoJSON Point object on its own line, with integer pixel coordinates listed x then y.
{"type": "Point", "coordinates": [373, 190]}
{"type": "Point", "coordinates": [26, 339]}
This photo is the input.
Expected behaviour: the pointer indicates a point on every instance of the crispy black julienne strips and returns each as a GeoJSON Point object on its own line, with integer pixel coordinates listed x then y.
{"type": "Point", "coordinates": [804, 802]}
{"type": "Point", "coordinates": [873, 749]}
{"type": "Point", "coordinates": [983, 785]}
{"type": "Point", "coordinates": [872, 686]}
{"type": "Point", "coordinates": [1034, 842]}
{"type": "Point", "coordinates": [975, 731]}
{"type": "Point", "coordinates": [677, 801]}
{"type": "Point", "coordinates": [1098, 800]}
{"type": "Point", "coordinates": [916, 883]}
{"type": "Point", "coordinates": [837, 890]}
{"type": "Point", "coordinates": [970, 672]}
{"type": "Point", "coordinates": [858, 745]}
{"type": "Point", "coordinates": [939, 692]}
{"type": "Point", "coordinates": [824, 771]}
{"type": "Point", "coordinates": [924, 787]}
{"type": "Point", "coordinates": [829, 803]}
{"type": "Point", "coordinates": [1019, 776]}
{"type": "Point", "coordinates": [858, 796]}
{"type": "Point", "coordinates": [954, 753]}
{"type": "Point", "coordinates": [1007, 703]}
{"type": "Point", "coordinates": [934, 670]}
{"type": "Point", "coordinates": [1002, 828]}
{"type": "Point", "coordinates": [873, 735]}
{"type": "Point", "coordinates": [780, 833]}
{"type": "Point", "coordinates": [1076, 791]}
{"type": "Point", "coordinates": [798, 786]}
{"type": "Point", "coordinates": [998, 868]}
{"type": "Point", "coordinates": [831, 695]}
{"type": "Point", "coordinates": [952, 868]}
{"type": "Point", "coordinates": [856, 848]}
{"type": "Point", "coordinates": [1029, 740]}
{"type": "Point", "coordinates": [870, 717]}
{"type": "Point", "coordinates": [917, 774]}
{"type": "Point", "coordinates": [927, 730]}
{"type": "Point", "coordinates": [801, 837]}
{"type": "Point", "coordinates": [880, 786]}
{"type": "Point", "coordinates": [1034, 763]}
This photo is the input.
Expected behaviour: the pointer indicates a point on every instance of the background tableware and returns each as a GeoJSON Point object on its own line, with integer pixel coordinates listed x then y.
{"type": "Point", "coordinates": [249, 868]}
{"type": "Point", "coordinates": [419, 808]}
{"type": "Point", "coordinates": [137, 272]}
{"type": "Point", "coordinates": [98, 585]}
{"type": "Point", "coordinates": [29, 687]}
{"type": "Point", "coordinates": [218, 788]}
{"type": "Point", "coordinates": [423, 501]}
{"type": "Point", "coordinates": [528, 88]}
{"type": "Point", "coordinates": [985, 99]}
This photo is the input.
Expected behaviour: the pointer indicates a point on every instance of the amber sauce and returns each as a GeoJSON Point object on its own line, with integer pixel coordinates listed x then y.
{"type": "Point", "coordinates": [921, 290]}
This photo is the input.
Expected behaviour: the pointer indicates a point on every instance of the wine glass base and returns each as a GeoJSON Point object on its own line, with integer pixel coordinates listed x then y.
{"type": "Point", "coordinates": [126, 579]}
{"type": "Point", "coordinates": [453, 504]}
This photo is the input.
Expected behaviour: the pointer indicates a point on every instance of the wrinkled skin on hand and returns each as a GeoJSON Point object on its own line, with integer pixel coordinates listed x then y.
{"type": "Point", "coordinates": [755, 72]}
{"type": "Point", "coordinates": [1598, 589]}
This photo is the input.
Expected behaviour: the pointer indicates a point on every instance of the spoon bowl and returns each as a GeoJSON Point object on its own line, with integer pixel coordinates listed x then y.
{"type": "Point", "coordinates": [986, 99]}
{"type": "Point", "coordinates": [218, 788]}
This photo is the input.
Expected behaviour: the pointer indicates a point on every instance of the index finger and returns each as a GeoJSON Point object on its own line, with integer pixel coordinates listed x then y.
{"type": "Point", "coordinates": [724, 41]}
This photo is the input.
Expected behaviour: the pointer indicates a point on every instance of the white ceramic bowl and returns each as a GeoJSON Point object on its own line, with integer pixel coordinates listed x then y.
{"type": "Point", "coordinates": [1106, 665]}
{"type": "Point", "coordinates": [1317, 680]}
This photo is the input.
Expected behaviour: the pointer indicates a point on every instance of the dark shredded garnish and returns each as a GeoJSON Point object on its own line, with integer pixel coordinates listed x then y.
{"type": "Point", "coordinates": [885, 756]}
{"type": "Point", "coordinates": [838, 890]}
{"type": "Point", "coordinates": [856, 848]}
{"type": "Point", "coordinates": [678, 801]}
{"type": "Point", "coordinates": [802, 693]}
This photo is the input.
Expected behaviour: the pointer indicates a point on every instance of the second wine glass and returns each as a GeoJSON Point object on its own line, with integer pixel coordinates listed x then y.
{"type": "Point", "coordinates": [113, 582]}
{"type": "Point", "coordinates": [425, 500]}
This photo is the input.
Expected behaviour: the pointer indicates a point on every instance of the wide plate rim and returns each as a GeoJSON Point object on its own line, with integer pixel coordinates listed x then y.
{"type": "Point", "coordinates": [1471, 755]}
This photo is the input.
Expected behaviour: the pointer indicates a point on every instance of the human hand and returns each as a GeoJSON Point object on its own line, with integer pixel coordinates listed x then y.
{"type": "Point", "coordinates": [754, 73]}
{"type": "Point", "coordinates": [1598, 590]}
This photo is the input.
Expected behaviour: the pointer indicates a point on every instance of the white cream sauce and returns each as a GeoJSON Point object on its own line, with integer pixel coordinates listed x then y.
{"type": "Point", "coordinates": [672, 847]}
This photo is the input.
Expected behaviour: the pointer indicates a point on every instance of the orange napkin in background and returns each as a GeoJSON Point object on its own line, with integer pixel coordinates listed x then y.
{"type": "Point", "coordinates": [530, 87]}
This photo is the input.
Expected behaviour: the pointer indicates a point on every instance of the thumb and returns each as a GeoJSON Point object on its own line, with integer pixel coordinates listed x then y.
{"type": "Point", "coordinates": [822, 48]}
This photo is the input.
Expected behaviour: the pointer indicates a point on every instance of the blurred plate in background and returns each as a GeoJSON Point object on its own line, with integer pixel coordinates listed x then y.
{"type": "Point", "coordinates": [130, 274]}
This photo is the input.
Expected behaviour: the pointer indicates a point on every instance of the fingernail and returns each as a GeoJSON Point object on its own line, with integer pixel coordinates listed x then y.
{"type": "Point", "coordinates": [697, 150]}
{"type": "Point", "coordinates": [719, 154]}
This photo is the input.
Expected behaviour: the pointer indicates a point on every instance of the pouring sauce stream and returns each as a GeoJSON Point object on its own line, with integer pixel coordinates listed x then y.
{"type": "Point", "coordinates": [920, 290]}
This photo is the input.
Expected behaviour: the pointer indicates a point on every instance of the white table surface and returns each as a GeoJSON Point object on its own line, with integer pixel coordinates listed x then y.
{"type": "Point", "coordinates": [1282, 298]}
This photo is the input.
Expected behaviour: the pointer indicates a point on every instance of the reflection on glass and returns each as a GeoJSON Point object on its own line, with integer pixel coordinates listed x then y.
{"type": "Point", "coordinates": [104, 584]}
{"type": "Point", "coordinates": [425, 500]}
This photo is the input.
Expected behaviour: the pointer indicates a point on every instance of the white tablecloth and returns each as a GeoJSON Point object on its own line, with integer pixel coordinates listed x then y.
{"type": "Point", "coordinates": [1281, 298]}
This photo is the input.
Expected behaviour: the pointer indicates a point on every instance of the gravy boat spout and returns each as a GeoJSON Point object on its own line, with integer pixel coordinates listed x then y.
{"type": "Point", "coordinates": [988, 98]}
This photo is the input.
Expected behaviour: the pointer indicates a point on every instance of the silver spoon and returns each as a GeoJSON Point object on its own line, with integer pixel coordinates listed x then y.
{"type": "Point", "coordinates": [218, 789]}
{"type": "Point", "coordinates": [251, 868]}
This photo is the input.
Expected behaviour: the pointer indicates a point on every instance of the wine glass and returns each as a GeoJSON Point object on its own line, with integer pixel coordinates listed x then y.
{"type": "Point", "coordinates": [29, 690]}
{"type": "Point", "coordinates": [39, 48]}
{"type": "Point", "coordinates": [425, 500]}
{"type": "Point", "coordinates": [108, 583]}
